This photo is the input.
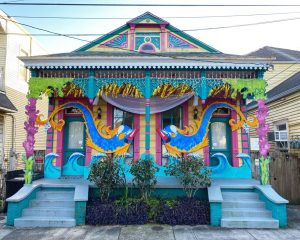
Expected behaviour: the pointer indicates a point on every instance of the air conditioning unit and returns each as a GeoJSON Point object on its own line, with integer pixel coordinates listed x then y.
{"type": "Point", "coordinates": [281, 136]}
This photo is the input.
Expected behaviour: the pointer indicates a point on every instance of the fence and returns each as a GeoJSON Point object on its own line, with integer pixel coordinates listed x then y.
{"type": "Point", "coordinates": [284, 174]}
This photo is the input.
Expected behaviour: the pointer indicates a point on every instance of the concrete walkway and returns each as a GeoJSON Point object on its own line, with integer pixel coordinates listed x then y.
{"type": "Point", "coordinates": [155, 232]}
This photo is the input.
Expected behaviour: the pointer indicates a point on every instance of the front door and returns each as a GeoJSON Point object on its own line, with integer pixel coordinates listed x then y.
{"type": "Point", "coordinates": [219, 139]}
{"type": "Point", "coordinates": [74, 146]}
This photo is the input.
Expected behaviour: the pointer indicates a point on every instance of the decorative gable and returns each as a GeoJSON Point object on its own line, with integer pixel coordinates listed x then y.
{"type": "Point", "coordinates": [120, 41]}
{"type": "Point", "coordinates": [177, 42]}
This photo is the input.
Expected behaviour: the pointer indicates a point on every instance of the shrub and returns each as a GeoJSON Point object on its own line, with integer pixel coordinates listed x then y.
{"type": "Point", "coordinates": [144, 178]}
{"type": "Point", "coordinates": [105, 174]}
{"type": "Point", "coordinates": [192, 173]}
{"type": "Point", "coordinates": [186, 211]}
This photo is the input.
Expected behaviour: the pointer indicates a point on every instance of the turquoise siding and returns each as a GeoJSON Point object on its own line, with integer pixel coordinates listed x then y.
{"type": "Point", "coordinates": [15, 208]}
{"type": "Point", "coordinates": [80, 211]}
{"type": "Point", "coordinates": [278, 210]}
{"type": "Point", "coordinates": [215, 214]}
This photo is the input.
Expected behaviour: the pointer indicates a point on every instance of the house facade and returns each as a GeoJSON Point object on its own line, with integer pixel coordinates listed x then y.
{"type": "Point", "coordinates": [283, 92]}
{"type": "Point", "coordinates": [15, 41]}
{"type": "Point", "coordinates": [147, 90]}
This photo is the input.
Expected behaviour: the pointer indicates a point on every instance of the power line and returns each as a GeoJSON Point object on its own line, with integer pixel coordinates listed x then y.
{"type": "Point", "coordinates": [178, 17]}
{"type": "Point", "coordinates": [53, 34]}
{"type": "Point", "coordinates": [145, 5]}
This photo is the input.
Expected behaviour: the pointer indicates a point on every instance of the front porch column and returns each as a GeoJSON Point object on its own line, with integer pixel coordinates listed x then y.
{"type": "Point", "coordinates": [147, 111]}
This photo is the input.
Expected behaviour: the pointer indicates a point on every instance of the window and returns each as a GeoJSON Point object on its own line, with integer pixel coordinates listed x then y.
{"type": "Point", "coordinates": [23, 72]}
{"type": "Point", "coordinates": [147, 47]}
{"type": "Point", "coordinates": [170, 117]}
{"type": "Point", "coordinates": [281, 134]}
{"type": "Point", "coordinates": [126, 118]}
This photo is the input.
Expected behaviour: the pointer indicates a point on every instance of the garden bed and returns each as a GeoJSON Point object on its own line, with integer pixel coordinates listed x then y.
{"type": "Point", "coordinates": [180, 211]}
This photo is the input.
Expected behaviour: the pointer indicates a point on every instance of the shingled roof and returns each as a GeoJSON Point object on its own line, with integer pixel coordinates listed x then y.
{"type": "Point", "coordinates": [280, 54]}
{"type": "Point", "coordinates": [289, 86]}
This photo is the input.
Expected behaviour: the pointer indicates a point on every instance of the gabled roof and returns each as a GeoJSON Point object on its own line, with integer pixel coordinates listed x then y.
{"type": "Point", "coordinates": [280, 54]}
{"type": "Point", "coordinates": [6, 105]}
{"type": "Point", "coordinates": [287, 87]}
{"type": "Point", "coordinates": [139, 19]}
{"type": "Point", "coordinates": [146, 16]}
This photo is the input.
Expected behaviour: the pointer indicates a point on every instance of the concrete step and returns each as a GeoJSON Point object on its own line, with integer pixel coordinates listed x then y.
{"type": "Point", "coordinates": [242, 204]}
{"type": "Point", "coordinates": [246, 212]}
{"type": "Point", "coordinates": [52, 203]}
{"type": "Point", "coordinates": [240, 222]}
{"type": "Point", "coordinates": [240, 195]}
{"type": "Point", "coordinates": [55, 195]}
{"type": "Point", "coordinates": [49, 212]}
{"type": "Point", "coordinates": [30, 221]}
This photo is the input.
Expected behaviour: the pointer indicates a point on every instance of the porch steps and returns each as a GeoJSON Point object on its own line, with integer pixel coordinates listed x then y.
{"type": "Point", "coordinates": [49, 209]}
{"type": "Point", "coordinates": [245, 210]}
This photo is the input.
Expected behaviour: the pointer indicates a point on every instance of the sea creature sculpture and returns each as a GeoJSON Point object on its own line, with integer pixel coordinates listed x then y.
{"type": "Point", "coordinates": [102, 139]}
{"type": "Point", "coordinates": [192, 138]}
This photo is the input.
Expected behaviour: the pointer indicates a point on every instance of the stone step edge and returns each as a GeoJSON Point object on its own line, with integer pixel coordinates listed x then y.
{"type": "Point", "coordinates": [245, 209]}
{"type": "Point", "coordinates": [244, 219]}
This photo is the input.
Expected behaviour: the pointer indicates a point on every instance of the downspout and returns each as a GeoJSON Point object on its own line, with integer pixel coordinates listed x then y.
{"type": "Point", "coordinates": [12, 152]}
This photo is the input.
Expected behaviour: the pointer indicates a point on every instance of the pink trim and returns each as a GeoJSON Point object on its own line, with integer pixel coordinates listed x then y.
{"type": "Point", "coordinates": [149, 51]}
{"type": "Point", "coordinates": [158, 139]}
{"type": "Point", "coordinates": [234, 142]}
{"type": "Point", "coordinates": [245, 145]}
{"type": "Point", "coordinates": [163, 37]}
{"type": "Point", "coordinates": [131, 36]}
{"type": "Point", "coordinates": [148, 151]}
{"type": "Point", "coordinates": [60, 139]}
{"type": "Point", "coordinates": [109, 117]}
{"type": "Point", "coordinates": [206, 155]}
{"type": "Point", "coordinates": [49, 137]}
{"type": "Point", "coordinates": [136, 141]}
{"type": "Point", "coordinates": [185, 117]}
{"type": "Point", "coordinates": [88, 150]}
{"type": "Point", "coordinates": [49, 145]}
{"type": "Point", "coordinates": [244, 137]}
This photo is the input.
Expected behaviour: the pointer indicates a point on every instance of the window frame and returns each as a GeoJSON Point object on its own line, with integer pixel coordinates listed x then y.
{"type": "Point", "coordinates": [114, 108]}
{"type": "Point", "coordinates": [281, 143]}
{"type": "Point", "coordinates": [162, 127]}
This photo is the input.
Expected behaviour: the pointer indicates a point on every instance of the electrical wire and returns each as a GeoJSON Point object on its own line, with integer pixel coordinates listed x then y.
{"type": "Point", "coordinates": [113, 34]}
{"type": "Point", "coordinates": [144, 5]}
{"type": "Point", "coordinates": [178, 17]}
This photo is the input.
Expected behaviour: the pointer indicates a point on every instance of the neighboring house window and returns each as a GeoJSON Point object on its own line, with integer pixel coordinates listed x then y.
{"type": "Point", "coordinates": [173, 116]}
{"type": "Point", "coordinates": [281, 134]}
{"type": "Point", "coordinates": [23, 72]}
{"type": "Point", "coordinates": [126, 118]}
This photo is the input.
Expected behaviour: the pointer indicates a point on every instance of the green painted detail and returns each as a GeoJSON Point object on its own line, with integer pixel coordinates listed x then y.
{"type": "Point", "coordinates": [103, 38]}
{"type": "Point", "coordinates": [215, 214]}
{"type": "Point", "coordinates": [278, 210]}
{"type": "Point", "coordinates": [28, 171]}
{"type": "Point", "coordinates": [254, 87]}
{"type": "Point", "coordinates": [192, 39]}
{"type": "Point", "coordinates": [39, 86]}
{"type": "Point", "coordinates": [80, 212]}
{"type": "Point", "coordinates": [15, 209]}
{"type": "Point", "coordinates": [264, 170]}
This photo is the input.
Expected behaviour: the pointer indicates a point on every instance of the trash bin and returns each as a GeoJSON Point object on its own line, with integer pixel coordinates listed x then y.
{"type": "Point", "coordinates": [14, 182]}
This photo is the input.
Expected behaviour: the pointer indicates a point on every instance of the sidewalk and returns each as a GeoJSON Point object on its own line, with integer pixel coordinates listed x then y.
{"type": "Point", "coordinates": [156, 232]}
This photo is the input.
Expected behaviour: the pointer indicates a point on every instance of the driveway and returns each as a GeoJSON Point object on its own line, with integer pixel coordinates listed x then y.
{"type": "Point", "coordinates": [156, 232]}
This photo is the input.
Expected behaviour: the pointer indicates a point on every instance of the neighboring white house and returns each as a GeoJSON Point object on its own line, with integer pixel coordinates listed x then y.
{"type": "Point", "coordinates": [15, 41]}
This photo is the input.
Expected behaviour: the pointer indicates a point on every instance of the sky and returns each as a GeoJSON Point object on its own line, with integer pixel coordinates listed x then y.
{"type": "Point", "coordinates": [237, 40]}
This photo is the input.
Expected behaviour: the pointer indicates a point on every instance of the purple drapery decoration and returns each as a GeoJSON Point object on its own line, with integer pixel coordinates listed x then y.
{"type": "Point", "coordinates": [30, 128]}
{"type": "Point", "coordinates": [262, 130]}
{"type": "Point", "coordinates": [137, 105]}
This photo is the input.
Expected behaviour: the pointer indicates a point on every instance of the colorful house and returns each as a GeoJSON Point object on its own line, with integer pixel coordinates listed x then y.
{"type": "Point", "coordinates": [149, 90]}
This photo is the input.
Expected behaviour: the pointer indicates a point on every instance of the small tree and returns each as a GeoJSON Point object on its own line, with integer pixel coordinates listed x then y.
{"type": "Point", "coordinates": [144, 176]}
{"type": "Point", "coordinates": [105, 174]}
{"type": "Point", "coordinates": [192, 173]}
